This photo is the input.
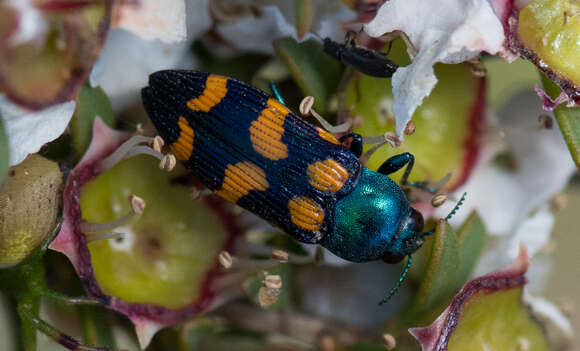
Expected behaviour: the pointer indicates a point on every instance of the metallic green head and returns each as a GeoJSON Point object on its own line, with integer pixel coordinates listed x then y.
{"type": "Point", "coordinates": [375, 221]}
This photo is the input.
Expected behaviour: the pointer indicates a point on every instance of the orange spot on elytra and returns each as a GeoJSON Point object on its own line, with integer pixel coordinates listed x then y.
{"type": "Point", "coordinates": [306, 213]}
{"type": "Point", "coordinates": [183, 146]}
{"type": "Point", "coordinates": [240, 179]}
{"type": "Point", "coordinates": [328, 175]}
{"type": "Point", "coordinates": [215, 90]}
{"type": "Point", "coordinates": [324, 134]}
{"type": "Point", "coordinates": [267, 130]}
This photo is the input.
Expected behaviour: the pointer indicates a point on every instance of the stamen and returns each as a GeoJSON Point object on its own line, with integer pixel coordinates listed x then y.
{"type": "Point", "coordinates": [137, 207]}
{"type": "Point", "coordinates": [133, 147]}
{"type": "Point", "coordinates": [388, 137]}
{"type": "Point", "coordinates": [367, 155]}
{"type": "Point", "coordinates": [92, 237]}
{"type": "Point", "coordinates": [273, 282]}
{"type": "Point", "coordinates": [477, 68]}
{"type": "Point", "coordinates": [158, 144]}
{"type": "Point", "coordinates": [279, 255]}
{"type": "Point", "coordinates": [225, 259]}
{"type": "Point", "coordinates": [438, 200]}
{"type": "Point", "coordinates": [546, 122]}
{"type": "Point", "coordinates": [410, 128]}
{"type": "Point", "coordinates": [389, 341]}
{"type": "Point", "coordinates": [306, 109]}
{"type": "Point", "coordinates": [168, 162]}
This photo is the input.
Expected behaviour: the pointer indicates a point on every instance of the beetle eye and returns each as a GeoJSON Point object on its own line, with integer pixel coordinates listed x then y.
{"type": "Point", "coordinates": [417, 221]}
{"type": "Point", "coordinates": [391, 257]}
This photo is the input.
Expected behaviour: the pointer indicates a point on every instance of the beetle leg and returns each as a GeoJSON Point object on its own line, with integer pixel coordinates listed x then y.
{"type": "Point", "coordinates": [356, 145]}
{"type": "Point", "coordinates": [397, 162]}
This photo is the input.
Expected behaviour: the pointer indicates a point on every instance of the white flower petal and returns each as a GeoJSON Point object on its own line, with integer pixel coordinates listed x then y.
{"type": "Point", "coordinates": [28, 131]}
{"type": "Point", "coordinates": [32, 25]}
{"type": "Point", "coordinates": [449, 31]}
{"type": "Point", "coordinates": [153, 19]}
{"type": "Point", "coordinates": [257, 33]}
{"type": "Point", "coordinates": [127, 60]}
{"type": "Point", "coordinates": [559, 329]}
{"type": "Point", "coordinates": [277, 21]}
{"type": "Point", "coordinates": [198, 19]}
{"type": "Point", "coordinates": [504, 198]}
{"type": "Point", "coordinates": [533, 233]}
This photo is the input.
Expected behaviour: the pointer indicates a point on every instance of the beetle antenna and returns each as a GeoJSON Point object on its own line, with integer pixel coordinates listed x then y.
{"type": "Point", "coordinates": [398, 285]}
{"type": "Point", "coordinates": [451, 214]}
{"type": "Point", "coordinates": [276, 92]}
{"type": "Point", "coordinates": [454, 210]}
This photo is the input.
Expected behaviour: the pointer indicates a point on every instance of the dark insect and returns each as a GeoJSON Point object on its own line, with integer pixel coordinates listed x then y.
{"type": "Point", "coordinates": [370, 62]}
{"type": "Point", "coordinates": [252, 150]}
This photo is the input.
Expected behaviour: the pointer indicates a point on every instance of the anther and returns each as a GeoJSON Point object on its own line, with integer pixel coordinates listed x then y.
{"type": "Point", "coordinates": [327, 343]}
{"type": "Point", "coordinates": [168, 162]}
{"type": "Point", "coordinates": [225, 259]}
{"type": "Point", "coordinates": [477, 68]}
{"type": "Point", "coordinates": [279, 255]}
{"type": "Point", "coordinates": [546, 121]}
{"type": "Point", "coordinates": [306, 109]}
{"type": "Point", "coordinates": [438, 200]}
{"type": "Point", "coordinates": [268, 296]}
{"type": "Point", "coordinates": [389, 341]}
{"type": "Point", "coordinates": [273, 282]}
{"type": "Point", "coordinates": [410, 128]}
{"type": "Point", "coordinates": [137, 207]}
{"type": "Point", "coordinates": [524, 344]}
{"type": "Point", "coordinates": [157, 144]}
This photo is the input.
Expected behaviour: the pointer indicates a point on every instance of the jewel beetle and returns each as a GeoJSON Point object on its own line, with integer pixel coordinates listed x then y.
{"type": "Point", "coordinates": [252, 150]}
{"type": "Point", "coordinates": [370, 62]}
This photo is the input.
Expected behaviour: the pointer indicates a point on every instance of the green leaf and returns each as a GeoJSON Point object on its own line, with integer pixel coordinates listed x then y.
{"type": "Point", "coordinates": [91, 102]}
{"type": "Point", "coordinates": [568, 119]}
{"type": "Point", "coordinates": [366, 347]}
{"type": "Point", "coordinates": [471, 238]}
{"type": "Point", "coordinates": [4, 152]}
{"type": "Point", "coordinates": [439, 280]}
{"type": "Point", "coordinates": [498, 320]}
{"type": "Point", "coordinates": [304, 16]}
{"type": "Point", "coordinates": [97, 329]}
{"type": "Point", "coordinates": [316, 73]}
{"type": "Point", "coordinates": [453, 256]}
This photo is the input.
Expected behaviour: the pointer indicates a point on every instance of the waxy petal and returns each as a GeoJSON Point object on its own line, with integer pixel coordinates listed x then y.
{"type": "Point", "coordinates": [450, 31]}
{"type": "Point", "coordinates": [28, 131]}
{"type": "Point", "coordinates": [153, 19]}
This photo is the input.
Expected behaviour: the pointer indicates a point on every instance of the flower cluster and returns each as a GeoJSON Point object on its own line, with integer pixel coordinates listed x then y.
{"type": "Point", "coordinates": [483, 93]}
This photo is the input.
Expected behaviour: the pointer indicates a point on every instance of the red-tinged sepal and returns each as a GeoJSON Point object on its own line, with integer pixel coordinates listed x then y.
{"type": "Point", "coordinates": [152, 256]}
{"type": "Point", "coordinates": [483, 305]}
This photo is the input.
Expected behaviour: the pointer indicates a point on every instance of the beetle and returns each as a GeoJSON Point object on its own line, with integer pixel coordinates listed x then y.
{"type": "Point", "coordinates": [252, 150]}
{"type": "Point", "coordinates": [370, 62]}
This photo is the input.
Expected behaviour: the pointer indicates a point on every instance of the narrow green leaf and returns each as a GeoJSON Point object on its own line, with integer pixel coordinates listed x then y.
{"type": "Point", "coordinates": [366, 347]}
{"type": "Point", "coordinates": [471, 237]}
{"type": "Point", "coordinates": [316, 73]}
{"type": "Point", "coordinates": [304, 16]}
{"type": "Point", "coordinates": [440, 279]}
{"type": "Point", "coordinates": [91, 102]}
{"type": "Point", "coordinates": [97, 330]}
{"type": "Point", "coordinates": [4, 153]}
{"type": "Point", "coordinates": [568, 119]}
